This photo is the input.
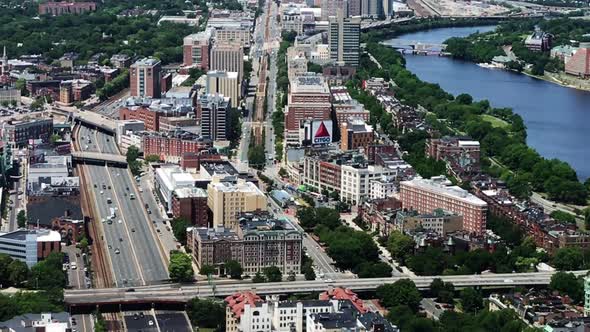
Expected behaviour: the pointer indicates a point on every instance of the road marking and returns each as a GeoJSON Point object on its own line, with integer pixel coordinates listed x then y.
{"type": "Point", "coordinates": [125, 226]}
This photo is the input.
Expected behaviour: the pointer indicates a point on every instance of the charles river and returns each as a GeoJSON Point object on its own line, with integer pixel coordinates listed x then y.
{"type": "Point", "coordinates": [557, 118]}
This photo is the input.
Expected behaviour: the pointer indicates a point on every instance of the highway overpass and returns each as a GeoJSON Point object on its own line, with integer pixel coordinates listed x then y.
{"type": "Point", "coordinates": [119, 298]}
{"type": "Point", "coordinates": [97, 158]}
{"type": "Point", "coordinates": [95, 120]}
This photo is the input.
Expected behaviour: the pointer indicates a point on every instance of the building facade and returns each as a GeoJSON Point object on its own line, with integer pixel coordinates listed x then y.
{"type": "Point", "coordinates": [214, 110]}
{"type": "Point", "coordinates": [30, 246]}
{"type": "Point", "coordinates": [309, 97]}
{"type": "Point", "coordinates": [224, 83]}
{"type": "Point", "coordinates": [227, 200]}
{"type": "Point", "coordinates": [170, 146]}
{"type": "Point", "coordinates": [20, 132]}
{"type": "Point", "coordinates": [579, 63]}
{"type": "Point", "coordinates": [355, 133]}
{"type": "Point", "coordinates": [145, 78]}
{"type": "Point", "coordinates": [228, 57]}
{"type": "Point", "coordinates": [344, 40]}
{"type": "Point", "coordinates": [195, 50]}
{"type": "Point", "coordinates": [439, 221]}
{"type": "Point", "coordinates": [62, 8]}
{"type": "Point", "coordinates": [191, 204]}
{"type": "Point", "coordinates": [426, 195]}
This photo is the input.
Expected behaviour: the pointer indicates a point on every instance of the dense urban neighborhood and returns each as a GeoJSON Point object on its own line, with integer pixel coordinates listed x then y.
{"type": "Point", "coordinates": [265, 165]}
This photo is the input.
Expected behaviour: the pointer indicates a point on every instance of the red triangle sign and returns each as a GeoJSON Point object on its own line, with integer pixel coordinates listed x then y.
{"type": "Point", "coordinates": [322, 131]}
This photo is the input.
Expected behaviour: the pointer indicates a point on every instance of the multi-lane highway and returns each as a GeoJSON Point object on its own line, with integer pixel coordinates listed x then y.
{"type": "Point", "coordinates": [129, 238]}
{"type": "Point", "coordinates": [177, 293]}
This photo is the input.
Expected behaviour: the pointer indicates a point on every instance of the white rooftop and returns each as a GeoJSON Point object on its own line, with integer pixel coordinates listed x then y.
{"type": "Point", "coordinates": [440, 185]}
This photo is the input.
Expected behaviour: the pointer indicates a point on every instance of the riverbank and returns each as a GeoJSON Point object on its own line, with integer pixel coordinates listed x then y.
{"type": "Point", "coordinates": [502, 140]}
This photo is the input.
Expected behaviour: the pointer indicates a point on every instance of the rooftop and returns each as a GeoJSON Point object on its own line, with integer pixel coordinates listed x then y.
{"type": "Point", "coordinates": [439, 185]}
{"type": "Point", "coordinates": [42, 235]}
{"type": "Point", "coordinates": [146, 62]}
{"type": "Point", "coordinates": [263, 222]}
{"type": "Point", "coordinates": [190, 192]}
{"type": "Point", "coordinates": [309, 83]}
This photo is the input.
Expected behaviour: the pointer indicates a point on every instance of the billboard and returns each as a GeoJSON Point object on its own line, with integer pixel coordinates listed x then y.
{"type": "Point", "coordinates": [321, 132]}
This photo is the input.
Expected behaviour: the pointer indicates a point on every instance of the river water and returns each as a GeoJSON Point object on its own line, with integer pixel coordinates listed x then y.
{"type": "Point", "coordinates": [557, 118]}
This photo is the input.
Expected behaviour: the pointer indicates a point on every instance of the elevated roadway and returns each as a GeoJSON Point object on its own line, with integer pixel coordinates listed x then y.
{"type": "Point", "coordinates": [177, 294]}
{"type": "Point", "coordinates": [97, 157]}
{"type": "Point", "coordinates": [95, 120]}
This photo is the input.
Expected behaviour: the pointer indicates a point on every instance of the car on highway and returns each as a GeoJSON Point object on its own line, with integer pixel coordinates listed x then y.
{"type": "Point", "coordinates": [133, 230]}
{"type": "Point", "coordinates": [120, 239]}
{"type": "Point", "coordinates": [117, 251]}
{"type": "Point", "coordinates": [120, 221]}
{"type": "Point", "coordinates": [73, 265]}
{"type": "Point", "coordinates": [95, 186]}
{"type": "Point", "coordinates": [101, 192]}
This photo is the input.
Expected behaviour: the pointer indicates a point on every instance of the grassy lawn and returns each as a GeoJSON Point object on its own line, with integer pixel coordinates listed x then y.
{"type": "Point", "coordinates": [499, 123]}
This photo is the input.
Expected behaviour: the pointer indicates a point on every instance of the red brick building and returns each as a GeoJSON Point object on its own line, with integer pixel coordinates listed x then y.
{"type": "Point", "coordinates": [173, 144]}
{"type": "Point", "coordinates": [61, 8]}
{"type": "Point", "coordinates": [145, 77]}
{"type": "Point", "coordinates": [426, 195]}
{"type": "Point", "coordinates": [150, 118]}
{"type": "Point", "coordinates": [579, 63]}
{"type": "Point", "coordinates": [195, 50]}
{"type": "Point", "coordinates": [355, 133]}
{"type": "Point", "coordinates": [191, 204]}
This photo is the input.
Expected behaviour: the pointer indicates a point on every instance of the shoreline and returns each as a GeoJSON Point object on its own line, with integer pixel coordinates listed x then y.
{"type": "Point", "coordinates": [545, 78]}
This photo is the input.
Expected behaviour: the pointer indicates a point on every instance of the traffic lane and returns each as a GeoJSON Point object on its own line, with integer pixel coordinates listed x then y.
{"type": "Point", "coordinates": [143, 235]}
{"type": "Point", "coordinates": [430, 306]}
{"type": "Point", "coordinates": [173, 322]}
{"type": "Point", "coordinates": [148, 262]}
{"type": "Point", "coordinates": [84, 323]}
{"type": "Point", "coordinates": [146, 231]}
{"type": "Point", "coordinates": [148, 197]}
{"type": "Point", "coordinates": [124, 265]}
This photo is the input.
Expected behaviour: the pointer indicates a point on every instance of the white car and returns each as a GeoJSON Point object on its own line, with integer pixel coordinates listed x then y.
{"type": "Point", "coordinates": [120, 221]}
{"type": "Point", "coordinates": [73, 265]}
{"type": "Point", "coordinates": [101, 192]}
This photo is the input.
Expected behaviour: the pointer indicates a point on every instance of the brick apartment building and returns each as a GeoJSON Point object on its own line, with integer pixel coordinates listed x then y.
{"type": "Point", "coordinates": [355, 133]}
{"type": "Point", "coordinates": [20, 132]}
{"type": "Point", "coordinates": [150, 118]}
{"type": "Point", "coordinates": [173, 144]}
{"type": "Point", "coordinates": [191, 204]}
{"type": "Point", "coordinates": [195, 50]}
{"type": "Point", "coordinates": [145, 78]}
{"type": "Point", "coordinates": [579, 63]}
{"type": "Point", "coordinates": [426, 195]}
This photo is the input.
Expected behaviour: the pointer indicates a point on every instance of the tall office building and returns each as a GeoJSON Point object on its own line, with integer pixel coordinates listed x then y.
{"type": "Point", "coordinates": [224, 83]}
{"type": "Point", "coordinates": [344, 39]}
{"type": "Point", "coordinates": [195, 49]}
{"type": "Point", "coordinates": [354, 7]}
{"type": "Point", "coordinates": [145, 78]}
{"type": "Point", "coordinates": [373, 8]}
{"type": "Point", "coordinates": [227, 200]}
{"type": "Point", "coordinates": [214, 116]}
{"type": "Point", "coordinates": [228, 57]}
{"type": "Point", "coordinates": [332, 7]}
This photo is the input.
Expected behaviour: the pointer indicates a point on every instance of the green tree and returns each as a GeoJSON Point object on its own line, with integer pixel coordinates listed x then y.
{"type": "Point", "coordinates": [471, 300]}
{"type": "Point", "coordinates": [272, 274]}
{"type": "Point", "coordinates": [206, 270]}
{"type": "Point", "coordinates": [48, 274]}
{"type": "Point", "coordinates": [569, 258]}
{"type": "Point", "coordinates": [374, 270]}
{"type": "Point", "coordinates": [152, 158]}
{"type": "Point", "coordinates": [131, 156]}
{"type": "Point", "coordinates": [400, 246]}
{"type": "Point", "coordinates": [179, 226]}
{"type": "Point", "coordinates": [291, 276]}
{"type": "Point", "coordinates": [258, 278]}
{"type": "Point", "coordinates": [180, 267]}
{"type": "Point", "coordinates": [54, 139]}
{"type": "Point", "coordinates": [234, 269]}
{"type": "Point", "coordinates": [206, 313]}
{"type": "Point", "coordinates": [401, 292]}
{"type": "Point", "coordinates": [567, 284]}
{"type": "Point", "coordinates": [21, 219]}
{"type": "Point", "coordinates": [83, 244]}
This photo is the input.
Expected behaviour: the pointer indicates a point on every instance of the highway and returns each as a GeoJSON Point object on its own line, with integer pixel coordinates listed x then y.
{"type": "Point", "coordinates": [176, 293]}
{"type": "Point", "coordinates": [133, 249]}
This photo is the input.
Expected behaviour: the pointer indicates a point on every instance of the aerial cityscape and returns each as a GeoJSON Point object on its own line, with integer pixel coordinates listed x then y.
{"type": "Point", "coordinates": [295, 165]}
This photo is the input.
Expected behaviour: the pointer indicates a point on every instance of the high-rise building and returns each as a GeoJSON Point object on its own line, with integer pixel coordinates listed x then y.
{"type": "Point", "coordinates": [195, 49]}
{"type": "Point", "coordinates": [354, 7]}
{"type": "Point", "coordinates": [587, 296]}
{"type": "Point", "coordinates": [426, 195]}
{"type": "Point", "coordinates": [214, 109]}
{"type": "Point", "coordinates": [227, 200]}
{"type": "Point", "coordinates": [373, 8]}
{"type": "Point", "coordinates": [228, 57]}
{"type": "Point", "coordinates": [224, 83]}
{"type": "Point", "coordinates": [344, 39]}
{"type": "Point", "coordinates": [309, 97]}
{"type": "Point", "coordinates": [332, 7]}
{"type": "Point", "coordinates": [145, 78]}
